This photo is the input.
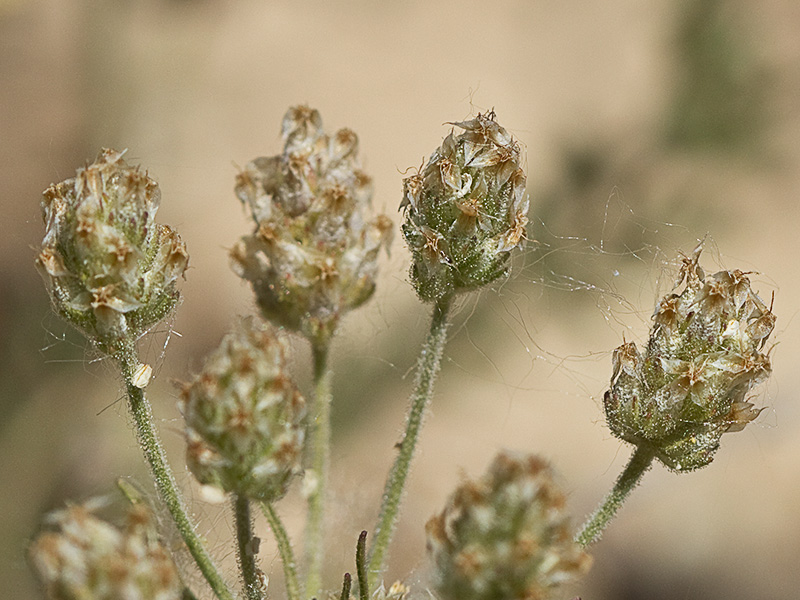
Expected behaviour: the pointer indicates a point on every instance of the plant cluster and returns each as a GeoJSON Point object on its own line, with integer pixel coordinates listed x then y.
{"type": "Point", "coordinates": [112, 271]}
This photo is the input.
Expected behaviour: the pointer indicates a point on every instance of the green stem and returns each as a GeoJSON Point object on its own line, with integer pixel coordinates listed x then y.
{"type": "Point", "coordinates": [361, 566]}
{"type": "Point", "coordinates": [346, 583]}
{"type": "Point", "coordinates": [428, 366]}
{"type": "Point", "coordinates": [293, 590]}
{"type": "Point", "coordinates": [245, 547]}
{"type": "Point", "coordinates": [319, 439]}
{"type": "Point", "coordinates": [164, 479]}
{"type": "Point", "coordinates": [637, 466]}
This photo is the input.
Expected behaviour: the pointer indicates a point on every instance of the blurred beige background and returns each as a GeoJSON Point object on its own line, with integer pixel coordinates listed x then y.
{"type": "Point", "coordinates": [646, 126]}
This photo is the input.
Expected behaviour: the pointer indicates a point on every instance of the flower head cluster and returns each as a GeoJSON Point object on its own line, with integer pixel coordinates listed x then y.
{"type": "Point", "coordinates": [505, 536]}
{"type": "Point", "coordinates": [244, 416]}
{"type": "Point", "coordinates": [111, 270]}
{"type": "Point", "coordinates": [313, 255]}
{"type": "Point", "coordinates": [690, 384]}
{"type": "Point", "coordinates": [86, 557]}
{"type": "Point", "coordinates": [465, 210]}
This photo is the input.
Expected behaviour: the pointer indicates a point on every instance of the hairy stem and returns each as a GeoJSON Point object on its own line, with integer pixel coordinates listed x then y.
{"type": "Point", "coordinates": [293, 591]}
{"type": "Point", "coordinates": [246, 547]}
{"type": "Point", "coordinates": [428, 366]}
{"type": "Point", "coordinates": [162, 474]}
{"type": "Point", "coordinates": [346, 583]}
{"type": "Point", "coordinates": [320, 447]}
{"type": "Point", "coordinates": [637, 466]}
{"type": "Point", "coordinates": [361, 566]}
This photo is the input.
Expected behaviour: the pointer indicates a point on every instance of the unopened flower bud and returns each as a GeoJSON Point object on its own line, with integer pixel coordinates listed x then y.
{"type": "Point", "coordinates": [690, 385]}
{"type": "Point", "coordinates": [244, 416]}
{"type": "Point", "coordinates": [505, 536]}
{"type": "Point", "coordinates": [313, 255]}
{"type": "Point", "coordinates": [83, 556]}
{"type": "Point", "coordinates": [111, 270]}
{"type": "Point", "coordinates": [466, 210]}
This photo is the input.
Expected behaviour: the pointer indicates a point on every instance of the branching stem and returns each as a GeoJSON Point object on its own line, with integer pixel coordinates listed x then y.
{"type": "Point", "coordinates": [637, 466]}
{"type": "Point", "coordinates": [428, 366]}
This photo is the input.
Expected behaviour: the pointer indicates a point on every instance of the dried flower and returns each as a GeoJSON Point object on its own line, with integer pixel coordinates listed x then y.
{"type": "Point", "coordinates": [313, 255]}
{"type": "Point", "coordinates": [244, 416]}
{"type": "Point", "coordinates": [465, 210]}
{"type": "Point", "coordinates": [703, 357]}
{"type": "Point", "coordinates": [397, 591]}
{"type": "Point", "coordinates": [85, 557]}
{"type": "Point", "coordinates": [505, 536]}
{"type": "Point", "coordinates": [110, 269]}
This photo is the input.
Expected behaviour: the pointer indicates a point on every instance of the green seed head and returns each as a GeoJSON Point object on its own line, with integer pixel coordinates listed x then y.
{"type": "Point", "coordinates": [690, 385]}
{"type": "Point", "coordinates": [110, 269]}
{"type": "Point", "coordinates": [465, 211]}
{"type": "Point", "coordinates": [244, 416]}
{"type": "Point", "coordinates": [82, 556]}
{"type": "Point", "coordinates": [505, 536]}
{"type": "Point", "coordinates": [313, 255]}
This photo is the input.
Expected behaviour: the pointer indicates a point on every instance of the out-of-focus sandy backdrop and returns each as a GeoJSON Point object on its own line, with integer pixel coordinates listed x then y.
{"type": "Point", "coordinates": [646, 125]}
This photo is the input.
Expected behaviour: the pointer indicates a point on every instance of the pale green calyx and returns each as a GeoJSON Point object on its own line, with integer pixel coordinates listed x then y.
{"type": "Point", "coordinates": [465, 210]}
{"type": "Point", "coordinates": [111, 270]}
{"type": "Point", "coordinates": [313, 255]}
{"type": "Point", "coordinates": [505, 536]}
{"type": "Point", "coordinates": [691, 384]}
{"type": "Point", "coordinates": [244, 416]}
{"type": "Point", "coordinates": [81, 557]}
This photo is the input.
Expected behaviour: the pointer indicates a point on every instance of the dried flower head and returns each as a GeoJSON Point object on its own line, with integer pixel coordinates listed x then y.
{"type": "Point", "coordinates": [244, 416]}
{"type": "Point", "coordinates": [110, 269]}
{"type": "Point", "coordinates": [465, 210]}
{"type": "Point", "coordinates": [505, 536]}
{"type": "Point", "coordinates": [703, 357]}
{"type": "Point", "coordinates": [397, 591]}
{"type": "Point", "coordinates": [313, 255]}
{"type": "Point", "coordinates": [86, 557]}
